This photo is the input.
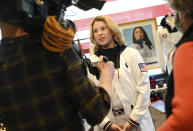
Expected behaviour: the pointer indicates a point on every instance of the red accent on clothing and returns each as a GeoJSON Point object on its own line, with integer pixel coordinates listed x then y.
{"type": "Point", "coordinates": [118, 64]}
{"type": "Point", "coordinates": [106, 125]}
{"type": "Point", "coordinates": [134, 122]}
{"type": "Point", "coordinates": [117, 112]}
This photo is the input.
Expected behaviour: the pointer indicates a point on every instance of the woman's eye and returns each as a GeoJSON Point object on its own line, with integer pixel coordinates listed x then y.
{"type": "Point", "coordinates": [103, 28]}
{"type": "Point", "coordinates": [95, 31]}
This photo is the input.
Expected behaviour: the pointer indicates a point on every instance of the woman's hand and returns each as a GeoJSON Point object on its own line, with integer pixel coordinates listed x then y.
{"type": "Point", "coordinates": [106, 70]}
{"type": "Point", "coordinates": [115, 127]}
{"type": "Point", "coordinates": [128, 127]}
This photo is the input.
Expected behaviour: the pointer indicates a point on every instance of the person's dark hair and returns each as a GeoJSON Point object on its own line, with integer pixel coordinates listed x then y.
{"type": "Point", "coordinates": [146, 39]}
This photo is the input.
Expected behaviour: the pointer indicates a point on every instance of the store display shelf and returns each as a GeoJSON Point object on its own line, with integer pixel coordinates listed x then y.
{"type": "Point", "coordinates": [159, 89]}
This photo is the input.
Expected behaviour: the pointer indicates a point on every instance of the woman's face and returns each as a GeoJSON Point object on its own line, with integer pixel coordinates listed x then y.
{"type": "Point", "coordinates": [103, 35]}
{"type": "Point", "coordinates": [138, 34]}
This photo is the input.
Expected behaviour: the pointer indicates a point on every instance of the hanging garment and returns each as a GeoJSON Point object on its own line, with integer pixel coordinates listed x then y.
{"type": "Point", "coordinates": [167, 36]}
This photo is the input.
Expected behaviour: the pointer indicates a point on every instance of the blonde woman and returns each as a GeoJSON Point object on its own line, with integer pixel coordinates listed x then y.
{"type": "Point", "coordinates": [130, 91]}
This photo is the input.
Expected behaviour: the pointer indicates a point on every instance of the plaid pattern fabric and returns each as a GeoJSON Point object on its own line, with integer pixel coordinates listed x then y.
{"type": "Point", "coordinates": [45, 91]}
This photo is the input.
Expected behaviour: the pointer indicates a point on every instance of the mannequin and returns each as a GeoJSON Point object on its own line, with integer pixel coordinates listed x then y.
{"type": "Point", "coordinates": [167, 36]}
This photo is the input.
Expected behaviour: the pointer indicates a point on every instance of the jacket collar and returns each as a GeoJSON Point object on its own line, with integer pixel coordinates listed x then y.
{"type": "Point", "coordinates": [119, 47]}
{"type": "Point", "coordinates": [187, 36]}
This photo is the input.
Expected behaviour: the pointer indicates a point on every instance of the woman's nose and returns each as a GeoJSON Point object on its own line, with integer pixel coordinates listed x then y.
{"type": "Point", "coordinates": [100, 32]}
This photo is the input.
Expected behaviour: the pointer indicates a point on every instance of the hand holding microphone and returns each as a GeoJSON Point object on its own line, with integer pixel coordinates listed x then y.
{"type": "Point", "coordinates": [106, 69]}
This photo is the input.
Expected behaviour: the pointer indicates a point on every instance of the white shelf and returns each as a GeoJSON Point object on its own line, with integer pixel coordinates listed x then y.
{"type": "Point", "coordinates": [159, 89]}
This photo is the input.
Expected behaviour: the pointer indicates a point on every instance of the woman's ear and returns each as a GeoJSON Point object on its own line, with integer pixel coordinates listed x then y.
{"type": "Point", "coordinates": [113, 34]}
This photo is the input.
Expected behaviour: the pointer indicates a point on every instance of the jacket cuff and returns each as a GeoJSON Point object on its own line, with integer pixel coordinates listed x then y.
{"type": "Point", "coordinates": [107, 126]}
{"type": "Point", "coordinates": [134, 123]}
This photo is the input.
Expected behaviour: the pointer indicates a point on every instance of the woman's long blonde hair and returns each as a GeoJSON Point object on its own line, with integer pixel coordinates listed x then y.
{"type": "Point", "coordinates": [118, 36]}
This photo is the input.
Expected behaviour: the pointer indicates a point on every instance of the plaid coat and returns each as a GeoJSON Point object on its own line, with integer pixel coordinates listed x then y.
{"type": "Point", "coordinates": [46, 91]}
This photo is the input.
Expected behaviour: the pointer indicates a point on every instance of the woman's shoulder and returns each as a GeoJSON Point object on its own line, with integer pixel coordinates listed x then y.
{"type": "Point", "coordinates": [129, 51]}
{"type": "Point", "coordinates": [131, 55]}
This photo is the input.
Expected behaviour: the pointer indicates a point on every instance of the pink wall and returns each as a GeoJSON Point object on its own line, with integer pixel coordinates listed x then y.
{"type": "Point", "coordinates": [127, 16]}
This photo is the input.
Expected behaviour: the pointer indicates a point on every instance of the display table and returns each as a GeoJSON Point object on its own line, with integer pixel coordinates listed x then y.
{"type": "Point", "coordinates": [159, 89]}
{"type": "Point", "coordinates": [157, 117]}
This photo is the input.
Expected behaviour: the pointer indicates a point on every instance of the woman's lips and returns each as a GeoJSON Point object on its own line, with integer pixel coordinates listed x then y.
{"type": "Point", "coordinates": [101, 39]}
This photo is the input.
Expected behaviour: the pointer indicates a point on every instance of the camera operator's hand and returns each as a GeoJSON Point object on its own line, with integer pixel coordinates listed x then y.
{"type": "Point", "coordinates": [106, 70]}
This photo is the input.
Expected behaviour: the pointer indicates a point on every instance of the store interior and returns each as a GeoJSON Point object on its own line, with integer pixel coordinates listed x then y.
{"type": "Point", "coordinates": [148, 13]}
{"type": "Point", "coordinates": [157, 19]}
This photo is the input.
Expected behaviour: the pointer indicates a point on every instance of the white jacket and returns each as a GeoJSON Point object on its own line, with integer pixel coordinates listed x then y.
{"type": "Point", "coordinates": [133, 88]}
{"type": "Point", "coordinates": [166, 47]}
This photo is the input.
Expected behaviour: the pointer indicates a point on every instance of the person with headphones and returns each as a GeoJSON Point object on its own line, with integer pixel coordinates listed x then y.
{"type": "Point", "coordinates": [43, 86]}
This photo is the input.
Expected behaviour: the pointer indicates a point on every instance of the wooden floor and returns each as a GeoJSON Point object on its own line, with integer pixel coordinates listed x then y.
{"type": "Point", "coordinates": [157, 117]}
